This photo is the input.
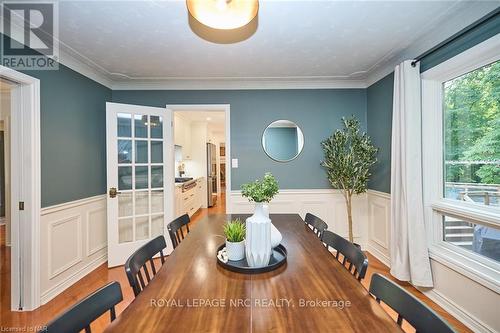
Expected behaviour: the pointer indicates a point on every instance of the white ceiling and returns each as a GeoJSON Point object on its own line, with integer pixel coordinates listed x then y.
{"type": "Point", "coordinates": [345, 40]}
{"type": "Point", "coordinates": [215, 120]}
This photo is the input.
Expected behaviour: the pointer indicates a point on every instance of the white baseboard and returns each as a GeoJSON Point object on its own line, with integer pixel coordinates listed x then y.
{"type": "Point", "coordinates": [72, 279]}
{"type": "Point", "coordinates": [379, 255]}
{"type": "Point", "coordinates": [458, 312]}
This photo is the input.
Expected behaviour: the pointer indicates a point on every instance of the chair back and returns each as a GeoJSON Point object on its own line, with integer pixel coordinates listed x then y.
{"type": "Point", "coordinates": [139, 259]}
{"type": "Point", "coordinates": [351, 253]}
{"type": "Point", "coordinates": [317, 224]}
{"type": "Point", "coordinates": [408, 307]}
{"type": "Point", "coordinates": [178, 229]}
{"type": "Point", "coordinates": [82, 314]}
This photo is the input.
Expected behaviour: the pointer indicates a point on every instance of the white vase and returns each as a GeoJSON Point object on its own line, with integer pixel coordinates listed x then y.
{"type": "Point", "coordinates": [275, 233]}
{"type": "Point", "coordinates": [235, 250]}
{"type": "Point", "coordinates": [258, 238]}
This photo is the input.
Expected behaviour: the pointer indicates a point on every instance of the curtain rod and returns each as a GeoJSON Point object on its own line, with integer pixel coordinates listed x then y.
{"type": "Point", "coordinates": [457, 35]}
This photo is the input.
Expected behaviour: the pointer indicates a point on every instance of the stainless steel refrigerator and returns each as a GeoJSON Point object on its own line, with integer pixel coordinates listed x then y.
{"type": "Point", "coordinates": [211, 174]}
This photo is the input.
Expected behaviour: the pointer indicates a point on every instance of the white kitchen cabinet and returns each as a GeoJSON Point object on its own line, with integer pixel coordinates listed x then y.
{"type": "Point", "coordinates": [182, 135]}
{"type": "Point", "coordinates": [186, 149]}
{"type": "Point", "coordinates": [189, 201]}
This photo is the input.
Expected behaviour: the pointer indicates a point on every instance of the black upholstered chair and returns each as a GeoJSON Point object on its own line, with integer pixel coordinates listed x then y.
{"type": "Point", "coordinates": [139, 259]}
{"type": "Point", "coordinates": [317, 224]}
{"type": "Point", "coordinates": [352, 255]}
{"type": "Point", "coordinates": [82, 314]}
{"type": "Point", "coordinates": [178, 229]}
{"type": "Point", "coordinates": [417, 314]}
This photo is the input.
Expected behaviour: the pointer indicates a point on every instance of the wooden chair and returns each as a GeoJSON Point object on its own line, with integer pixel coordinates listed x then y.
{"type": "Point", "coordinates": [351, 253]}
{"type": "Point", "coordinates": [139, 259]}
{"type": "Point", "coordinates": [82, 314]}
{"type": "Point", "coordinates": [175, 229]}
{"type": "Point", "coordinates": [317, 224]}
{"type": "Point", "coordinates": [408, 307]}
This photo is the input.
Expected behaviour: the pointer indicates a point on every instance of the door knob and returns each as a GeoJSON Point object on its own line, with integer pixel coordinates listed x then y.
{"type": "Point", "coordinates": [113, 192]}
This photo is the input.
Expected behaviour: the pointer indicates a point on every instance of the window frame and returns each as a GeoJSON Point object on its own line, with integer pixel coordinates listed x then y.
{"type": "Point", "coordinates": [481, 269]}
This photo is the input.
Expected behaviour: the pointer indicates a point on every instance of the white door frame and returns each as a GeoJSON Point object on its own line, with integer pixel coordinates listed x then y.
{"type": "Point", "coordinates": [25, 187]}
{"type": "Point", "coordinates": [213, 108]}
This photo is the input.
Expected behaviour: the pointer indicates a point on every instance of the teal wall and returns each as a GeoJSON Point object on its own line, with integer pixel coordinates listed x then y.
{"type": "Point", "coordinates": [317, 112]}
{"type": "Point", "coordinates": [379, 119]}
{"type": "Point", "coordinates": [73, 135]}
{"type": "Point", "coordinates": [486, 30]}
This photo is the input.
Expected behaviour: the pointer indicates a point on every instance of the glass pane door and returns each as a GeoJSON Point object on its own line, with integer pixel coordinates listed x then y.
{"type": "Point", "coordinates": [137, 205]}
{"type": "Point", "coordinates": [140, 176]}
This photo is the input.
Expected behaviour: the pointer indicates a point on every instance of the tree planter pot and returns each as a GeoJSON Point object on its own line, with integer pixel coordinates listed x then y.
{"type": "Point", "coordinates": [235, 250]}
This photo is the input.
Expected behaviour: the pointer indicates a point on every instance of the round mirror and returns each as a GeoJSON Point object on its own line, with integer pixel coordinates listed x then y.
{"type": "Point", "coordinates": [283, 140]}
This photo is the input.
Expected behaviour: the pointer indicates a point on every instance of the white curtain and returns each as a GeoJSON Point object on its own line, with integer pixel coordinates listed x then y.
{"type": "Point", "coordinates": [409, 252]}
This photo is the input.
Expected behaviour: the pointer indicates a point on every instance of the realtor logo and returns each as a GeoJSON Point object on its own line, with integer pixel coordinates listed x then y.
{"type": "Point", "coordinates": [29, 35]}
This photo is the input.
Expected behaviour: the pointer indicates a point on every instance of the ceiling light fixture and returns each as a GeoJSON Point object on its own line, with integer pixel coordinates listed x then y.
{"type": "Point", "coordinates": [223, 14]}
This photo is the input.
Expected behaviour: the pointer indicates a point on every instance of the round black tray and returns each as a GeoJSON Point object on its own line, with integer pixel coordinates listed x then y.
{"type": "Point", "coordinates": [278, 258]}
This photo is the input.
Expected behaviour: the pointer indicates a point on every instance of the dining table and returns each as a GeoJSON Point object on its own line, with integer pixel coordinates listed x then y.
{"type": "Point", "coordinates": [311, 292]}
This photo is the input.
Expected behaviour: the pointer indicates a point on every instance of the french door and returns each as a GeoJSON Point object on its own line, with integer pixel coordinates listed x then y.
{"type": "Point", "coordinates": [139, 177]}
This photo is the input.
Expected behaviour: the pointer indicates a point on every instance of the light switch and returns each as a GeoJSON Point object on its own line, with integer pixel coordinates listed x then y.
{"type": "Point", "coordinates": [234, 163]}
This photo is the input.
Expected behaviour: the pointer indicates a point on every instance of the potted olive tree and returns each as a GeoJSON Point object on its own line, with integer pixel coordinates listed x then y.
{"type": "Point", "coordinates": [349, 155]}
{"type": "Point", "coordinates": [234, 231]}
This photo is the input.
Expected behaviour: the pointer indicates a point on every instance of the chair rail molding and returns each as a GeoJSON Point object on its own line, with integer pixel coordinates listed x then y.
{"type": "Point", "coordinates": [73, 243]}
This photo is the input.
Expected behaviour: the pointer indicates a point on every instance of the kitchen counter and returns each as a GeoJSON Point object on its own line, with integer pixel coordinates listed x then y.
{"type": "Point", "coordinates": [194, 178]}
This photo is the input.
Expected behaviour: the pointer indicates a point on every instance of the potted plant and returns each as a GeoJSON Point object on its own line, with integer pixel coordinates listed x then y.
{"type": "Point", "coordinates": [261, 235]}
{"type": "Point", "coordinates": [235, 231]}
{"type": "Point", "coordinates": [349, 155]}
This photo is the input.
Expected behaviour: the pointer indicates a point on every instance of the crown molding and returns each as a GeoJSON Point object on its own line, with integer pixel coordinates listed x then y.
{"type": "Point", "coordinates": [239, 84]}
{"type": "Point", "coordinates": [82, 67]}
{"type": "Point", "coordinates": [431, 36]}
{"type": "Point", "coordinates": [458, 16]}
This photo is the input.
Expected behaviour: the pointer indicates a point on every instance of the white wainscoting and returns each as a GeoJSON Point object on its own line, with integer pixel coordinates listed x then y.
{"type": "Point", "coordinates": [379, 219]}
{"type": "Point", "coordinates": [73, 243]}
{"type": "Point", "coordinates": [329, 205]}
{"type": "Point", "coordinates": [459, 295]}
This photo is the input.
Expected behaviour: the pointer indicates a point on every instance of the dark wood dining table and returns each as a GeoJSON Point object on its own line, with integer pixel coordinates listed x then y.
{"type": "Point", "coordinates": [312, 292]}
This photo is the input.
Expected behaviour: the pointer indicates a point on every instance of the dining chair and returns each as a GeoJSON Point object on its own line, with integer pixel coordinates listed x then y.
{"type": "Point", "coordinates": [317, 224]}
{"type": "Point", "coordinates": [416, 313]}
{"type": "Point", "coordinates": [350, 252]}
{"type": "Point", "coordinates": [139, 259]}
{"type": "Point", "coordinates": [82, 314]}
{"type": "Point", "coordinates": [176, 229]}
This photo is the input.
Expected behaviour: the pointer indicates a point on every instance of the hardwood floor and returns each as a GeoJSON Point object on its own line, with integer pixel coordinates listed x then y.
{"type": "Point", "coordinates": [101, 275]}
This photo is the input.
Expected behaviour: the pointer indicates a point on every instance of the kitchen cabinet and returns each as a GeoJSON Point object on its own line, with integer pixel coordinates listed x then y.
{"type": "Point", "coordinates": [188, 199]}
{"type": "Point", "coordinates": [182, 135]}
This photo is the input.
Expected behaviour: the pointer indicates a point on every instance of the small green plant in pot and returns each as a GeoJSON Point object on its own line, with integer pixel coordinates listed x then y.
{"type": "Point", "coordinates": [235, 232]}
{"type": "Point", "coordinates": [261, 191]}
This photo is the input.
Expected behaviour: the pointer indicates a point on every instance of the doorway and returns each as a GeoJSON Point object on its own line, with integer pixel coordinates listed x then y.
{"type": "Point", "coordinates": [20, 190]}
{"type": "Point", "coordinates": [201, 133]}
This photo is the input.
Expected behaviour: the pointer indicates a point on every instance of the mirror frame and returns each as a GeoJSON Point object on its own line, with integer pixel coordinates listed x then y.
{"type": "Point", "coordinates": [291, 159]}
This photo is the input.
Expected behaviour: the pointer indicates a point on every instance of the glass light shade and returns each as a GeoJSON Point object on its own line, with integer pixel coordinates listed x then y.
{"type": "Point", "coordinates": [223, 14]}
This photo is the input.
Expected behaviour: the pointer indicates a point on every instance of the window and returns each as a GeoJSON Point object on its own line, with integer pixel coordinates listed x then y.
{"type": "Point", "coordinates": [471, 119]}
{"type": "Point", "coordinates": [461, 162]}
